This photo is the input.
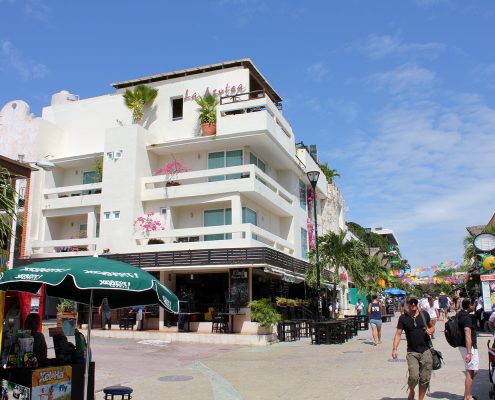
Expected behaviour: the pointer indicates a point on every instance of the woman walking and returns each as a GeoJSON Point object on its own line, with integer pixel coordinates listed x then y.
{"type": "Point", "coordinates": [432, 309]}
{"type": "Point", "coordinates": [375, 313]}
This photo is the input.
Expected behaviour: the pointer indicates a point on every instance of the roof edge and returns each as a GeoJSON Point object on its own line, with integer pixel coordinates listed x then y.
{"type": "Point", "coordinates": [243, 62]}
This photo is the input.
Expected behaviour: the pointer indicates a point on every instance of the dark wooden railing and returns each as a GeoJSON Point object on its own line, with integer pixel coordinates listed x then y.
{"type": "Point", "coordinates": [250, 255]}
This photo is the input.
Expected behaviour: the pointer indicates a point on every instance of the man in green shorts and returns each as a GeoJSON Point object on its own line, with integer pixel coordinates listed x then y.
{"type": "Point", "coordinates": [417, 326]}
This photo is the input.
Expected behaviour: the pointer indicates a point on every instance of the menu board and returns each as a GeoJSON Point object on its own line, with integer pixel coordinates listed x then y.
{"type": "Point", "coordinates": [52, 383]}
{"type": "Point", "coordinates": [239, 287]}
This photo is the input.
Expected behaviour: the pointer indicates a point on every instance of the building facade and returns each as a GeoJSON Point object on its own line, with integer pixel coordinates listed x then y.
{"type": "Point", "coordinates": [220, 212]}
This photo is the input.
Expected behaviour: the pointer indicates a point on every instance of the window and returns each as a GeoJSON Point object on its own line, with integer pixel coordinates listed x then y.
{"type": "Point", "coordinates": [304, 243]}
{"type": "Point", "coordinates": [83, 231]}
{"type": "Point", "coordinates": [302, 195]}
{"type": "Point", "coordinates": [256, 161]}
{"type": "Point", "coordinates": [218, 218]}
{"type": "Point", "coordinates": [177, 108]}
{"type": "Point", "coordinates": [249, 217]}
{"type": "Point", "coordinates": [116, 215]}
{"type": "Point", "coordinates": [163, 211]}
{"type": "Point", "coordinates": [222, 159]}
{"type": "Point", "coordinates": [106, 215]}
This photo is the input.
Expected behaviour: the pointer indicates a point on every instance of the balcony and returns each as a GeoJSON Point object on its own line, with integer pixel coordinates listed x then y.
{"type": "Point", "coordinates": [243, 113]}
{"type": "Point", "coordinates": [249, 179]}
{"type": "Point", "coordinates": [72, 196]}
{"type": "Point", "coordinates": [64, 247]}
{"type": "Point", "coordinates": [242, 235]}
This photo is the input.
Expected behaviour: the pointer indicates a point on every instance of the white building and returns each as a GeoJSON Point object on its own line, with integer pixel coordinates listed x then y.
{"type": "Point", "coordinates": [237, 218]}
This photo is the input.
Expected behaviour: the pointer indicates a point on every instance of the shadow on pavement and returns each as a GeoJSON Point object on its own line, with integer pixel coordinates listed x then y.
{"type": "Point", "coordinates": [444, 395]}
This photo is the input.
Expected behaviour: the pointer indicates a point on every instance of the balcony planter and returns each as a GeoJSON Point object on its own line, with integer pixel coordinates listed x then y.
{"type": "Point", "coordinates": [209, 129]}
{"type": "Point", "coordinates": [155, 241]}
{"type": "Point", "coordinates": [172, 183]}
{"type": "Point", "coordinates": [66, 311]}
{"type": "Point", "coordinates": [208, 114]}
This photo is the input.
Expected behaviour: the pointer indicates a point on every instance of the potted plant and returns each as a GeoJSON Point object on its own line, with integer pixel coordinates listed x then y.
{"type": "Point", "coordinates": [147, 223]}
{"type": "Point", "coordinates": [66, 309]}
{"type": "Point", "coordinates": [264, 314]}
{"type": "Point", "coordinates": [137, 99]}
{"type": "Point", "coordinates": [171, 171]}
{"type": "Point", "coordinates": [208, 114]}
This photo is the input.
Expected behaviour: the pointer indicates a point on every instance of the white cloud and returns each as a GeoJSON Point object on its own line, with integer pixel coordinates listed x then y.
{"type": "Point", "coordinates": [380, 46]}
{"type": "Point", "coordinates": [11, 58]}
{"type": "Point", "coordinates": [403, 78]}
{"type": "Point", "coordinates": [37, 10]}
{"type": "Point", "coordinates": [426, 172]}
{"type": "Point", "coordinates": [317, 72]}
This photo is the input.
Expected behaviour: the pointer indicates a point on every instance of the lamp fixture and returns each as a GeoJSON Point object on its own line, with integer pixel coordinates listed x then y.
{"type": "Point", "coordinates": [313, 178]}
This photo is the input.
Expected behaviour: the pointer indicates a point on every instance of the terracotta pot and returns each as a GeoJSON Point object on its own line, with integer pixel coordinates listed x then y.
{"type": "Point", "coordinates": [65, 315]}
{"type": "Point", "coordinates": [209, 129]}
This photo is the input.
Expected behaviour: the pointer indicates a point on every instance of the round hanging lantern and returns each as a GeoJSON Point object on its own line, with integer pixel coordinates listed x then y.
{"type": "Point", "coordinates": [343, 275]}
{"type": "Point", "coordinates": [381, 282]}
{"type": "Point", "coordinates": [489, 263]}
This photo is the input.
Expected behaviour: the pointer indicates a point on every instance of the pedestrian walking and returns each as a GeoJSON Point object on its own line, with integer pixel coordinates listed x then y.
{"type": "Point", "coordinates": [359, 307]}
{"type": "Point", "coordinates": [432, 310]}
{"type": "Point", "coordinates": [443, 301]}
{"type": "Point", "coordinates": [419, 362]}
{"type": "Point", "coordinates": [469, 346]}
{"type": "Point", "coordinates": [375, 311]}
{"type": "Point", "coordinates": [105, 313]}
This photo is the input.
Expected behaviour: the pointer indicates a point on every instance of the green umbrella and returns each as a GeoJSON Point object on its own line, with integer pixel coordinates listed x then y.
{"type": "Point", "coordinates": [89, 280]}
{"type": "Point", "coordinates": [73, 279]}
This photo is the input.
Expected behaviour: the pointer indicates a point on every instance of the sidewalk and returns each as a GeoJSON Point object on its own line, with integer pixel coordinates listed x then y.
{"type": "Point", "coordinates": [296, 370]}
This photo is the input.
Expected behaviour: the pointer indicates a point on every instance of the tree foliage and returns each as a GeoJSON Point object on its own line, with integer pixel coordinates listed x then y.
{"type": "Point", "coordinates": [7, 206]}
{"type": "Point", "coordinates": [372, 239]}
{"type": "Point", "coordinates": [329, 173]}
{"type": "Point", "coordinates": [138, 98]}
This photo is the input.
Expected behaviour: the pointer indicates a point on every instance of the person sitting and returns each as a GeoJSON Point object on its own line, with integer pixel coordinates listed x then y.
{"type": "Point", "coordinates": [33, 323]}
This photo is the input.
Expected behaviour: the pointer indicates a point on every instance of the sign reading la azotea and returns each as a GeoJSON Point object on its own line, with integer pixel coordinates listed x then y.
{"type": "Point", "coordinates": [229, 90]}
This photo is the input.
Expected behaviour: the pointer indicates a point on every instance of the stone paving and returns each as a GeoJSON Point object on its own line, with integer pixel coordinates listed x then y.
{"type": "Point", "coordinates": [297, 370]}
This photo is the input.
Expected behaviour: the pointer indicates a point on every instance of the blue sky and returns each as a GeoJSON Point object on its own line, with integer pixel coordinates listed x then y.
{"type": "Point", "coordinates": [398, 95]}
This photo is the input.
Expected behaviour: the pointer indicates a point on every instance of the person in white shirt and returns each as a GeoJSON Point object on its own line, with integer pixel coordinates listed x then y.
{"type": "Point", "coordinates": [432, 310]}
{"type": "Point", "coordinates": [359, 307]}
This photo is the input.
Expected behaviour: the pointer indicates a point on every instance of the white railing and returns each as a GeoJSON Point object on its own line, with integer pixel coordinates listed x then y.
{"type": "Point", "coordinates": [195, 237]}
{"type": "Point", "coordinates": [65, 247]}
{"type": "Point", "coordinates": [188, 182]}
{"type": "Point", "coordinates": [77, 190]}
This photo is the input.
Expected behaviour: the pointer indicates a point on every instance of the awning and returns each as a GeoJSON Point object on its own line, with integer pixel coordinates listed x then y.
{"type": "Point", "coordinates": [285, 275]}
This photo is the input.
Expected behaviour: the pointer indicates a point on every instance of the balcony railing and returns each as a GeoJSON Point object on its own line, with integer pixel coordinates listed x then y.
{"type": "Point", "coordinates": [72, 196]}
{"type": "Point", "coordinates": [255, 115]}
{"type": "Point", "coordinates": [196, 183]}
{"type": "Point", "coordinates": [64, 247]}
{"type": "Point", "coordinates": [226, 236]}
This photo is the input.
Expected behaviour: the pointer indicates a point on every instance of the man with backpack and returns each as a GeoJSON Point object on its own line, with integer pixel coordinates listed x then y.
{"type": "Point", "coordinates": [417, 326]}
{"type": "Point", "coordinates": [468, 344]}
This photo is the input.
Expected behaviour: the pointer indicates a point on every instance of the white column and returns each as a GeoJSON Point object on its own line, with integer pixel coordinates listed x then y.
{"type": "Point", "coordinates": [91, 226]}
{"type": "Point", "coordinates": [236, 207]}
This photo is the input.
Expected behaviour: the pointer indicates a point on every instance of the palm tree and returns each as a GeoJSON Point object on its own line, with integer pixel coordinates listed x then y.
{"type": "Point", "coordinates": [138, 98]}
{"type": "Point", "coordinates": [329, 173]}
{"type": "Point", "coordinates": [7, 206]}
{"type": "Point", "coordinates": [207, 109]}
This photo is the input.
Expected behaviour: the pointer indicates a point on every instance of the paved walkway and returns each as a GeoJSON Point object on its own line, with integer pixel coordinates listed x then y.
{"type": "Point", "coordinates": [297, 370]}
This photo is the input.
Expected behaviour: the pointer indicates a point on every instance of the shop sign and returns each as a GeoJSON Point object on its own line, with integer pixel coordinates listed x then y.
{"type": "Point", "coordinates": [239, 291]}
{"type": "Point", "coordinates": [228, 90]}
{"type": "Point", "coordinates": [52, 383]}
{"type": "Point", "coordinates": [13, 391]}
{"type": "Point", "coordinates": [488, 291]}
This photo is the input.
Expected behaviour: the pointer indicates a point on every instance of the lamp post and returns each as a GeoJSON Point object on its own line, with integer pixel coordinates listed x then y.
{"type": "Point", "coordinates": [368, 233]}
{"type": "Point", "coordinates": [313, 179]}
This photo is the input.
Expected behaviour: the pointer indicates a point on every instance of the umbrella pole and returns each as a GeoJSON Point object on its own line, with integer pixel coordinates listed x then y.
{"type": "Point", "coordinates": [88, 349]}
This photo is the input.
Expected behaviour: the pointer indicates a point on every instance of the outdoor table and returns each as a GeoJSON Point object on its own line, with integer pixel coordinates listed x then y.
{"type": "Point", "coordinates": [231, 315]}
{"type": "Point", "coordinates": [187, 318]}
{"type": "Point", "coordinates": [332, 331]}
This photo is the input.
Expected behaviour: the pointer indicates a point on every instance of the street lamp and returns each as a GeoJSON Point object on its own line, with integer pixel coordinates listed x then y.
{"type": "Point", "coordinates": [368, 234]}
{"type": "Point", "coordinates": [313, 179]}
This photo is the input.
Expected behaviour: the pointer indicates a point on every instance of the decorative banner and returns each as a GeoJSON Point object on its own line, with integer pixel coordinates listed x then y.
{"type": "Point", "coordinates": [488, 291]}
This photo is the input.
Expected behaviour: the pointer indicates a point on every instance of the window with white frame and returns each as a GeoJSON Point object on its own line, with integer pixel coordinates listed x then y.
{"type": "Point", "coordinates": [222, 159]}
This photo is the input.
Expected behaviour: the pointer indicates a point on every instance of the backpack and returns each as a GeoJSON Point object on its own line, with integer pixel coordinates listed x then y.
{"type": "Point", "coordinates": [453, 332]}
